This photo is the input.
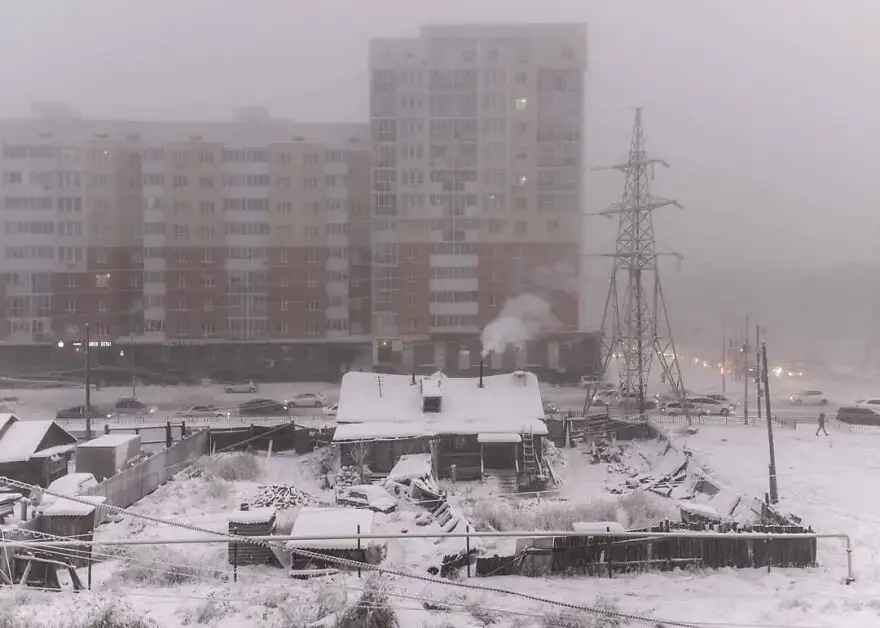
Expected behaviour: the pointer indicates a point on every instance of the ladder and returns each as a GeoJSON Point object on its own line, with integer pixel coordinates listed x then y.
{"type": "Point", "coordinates": [530, 460]}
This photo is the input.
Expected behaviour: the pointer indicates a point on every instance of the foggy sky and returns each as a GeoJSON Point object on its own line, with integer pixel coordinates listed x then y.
{"type": "Point", "coordinates": [766, 109]}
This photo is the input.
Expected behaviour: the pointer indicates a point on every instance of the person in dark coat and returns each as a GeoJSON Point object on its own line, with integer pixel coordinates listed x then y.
{"type": "Point", "coordinates": [822, 425]}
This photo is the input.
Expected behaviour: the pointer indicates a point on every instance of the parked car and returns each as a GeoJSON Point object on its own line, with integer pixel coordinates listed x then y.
{"type": "Point", "coordinates": [722, 399]}
{"type": "Point", "coordinates": [606, 398]}
{"type": "Point", "coordinates": [130, 406]}
{"type": "Point", "coordinates": [809, 397]}
{"type": "Point", "coordinates": [203, 412]}
{"type": "Point", "coordinates": [262, 407]}
{"type": "Point", "coordinates": [72, 484]}
{"type": "Point", "coordinates": [679, 408]}
{"type": "Point", "coordinates": [367, 496]}
{"type": "Point", "coordinates": [241, 388]}
{"type": "Point", "coordinates": [79, 412]}
{"type": "Point", "coordinates": [863, 412]}
{"type": "Point", "coordinates": [307, 400]}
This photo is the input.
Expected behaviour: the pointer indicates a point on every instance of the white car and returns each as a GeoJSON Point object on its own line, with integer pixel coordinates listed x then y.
{"type": "Point", "coordinates": [330, 411]}
{"type": "Point", "coordinates": [606, 398]}
{"type": "Point", "coordinates": [810, 397]}
{"type": "Point", "coordinates": [711, 405]}
{"type": "Point", "coordinates": [245, 388]}
{"type": "Point", "coordinates": [307, 400]}
{"type": "Point", "coordinates": [367, 496]}
{"type": "Point", "coordinates": [203, 412]}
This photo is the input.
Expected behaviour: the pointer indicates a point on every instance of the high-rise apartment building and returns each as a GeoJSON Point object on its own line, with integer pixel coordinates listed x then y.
{"type": "Point", "coordinates": [240, 247]}
{"type": "Point", "coordinates": [477, 176]}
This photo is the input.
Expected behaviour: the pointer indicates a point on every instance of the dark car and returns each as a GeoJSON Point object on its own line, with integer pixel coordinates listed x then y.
{"type": "Point", "coordinates": [79, 412]}
{"type": "Point", "coordinates": [132, 406]}
{"type": "Point", "coordinates": [262, 407]}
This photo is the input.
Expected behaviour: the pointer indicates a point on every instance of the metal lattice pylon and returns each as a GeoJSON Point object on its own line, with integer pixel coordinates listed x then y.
{"type": "Point", "coordinates": [635, 323]}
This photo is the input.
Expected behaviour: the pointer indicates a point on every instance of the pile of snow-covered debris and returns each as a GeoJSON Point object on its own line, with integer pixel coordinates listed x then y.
{"type": "Point", "coordinates": [282, 496]}
{"type": "Point", "coordinates": [347, 476]}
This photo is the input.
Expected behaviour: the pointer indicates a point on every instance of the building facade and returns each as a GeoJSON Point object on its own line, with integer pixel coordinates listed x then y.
{"type": "Point", "coordinates": [240, 247]}
{"type": "Point", "coordinates": [477, 182]}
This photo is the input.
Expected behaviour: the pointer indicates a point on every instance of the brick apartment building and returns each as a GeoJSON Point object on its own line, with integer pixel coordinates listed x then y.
{"type": "Point", "coordinates": [477, 176]}
{"type": "Point", "coordinates": [265, 249]}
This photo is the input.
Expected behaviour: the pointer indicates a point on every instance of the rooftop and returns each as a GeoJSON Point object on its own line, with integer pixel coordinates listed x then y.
{"type": "Point", "coordinates": [63, 507]}
{"type": "Point", "coordinates": [390, 406]}
{"type": "Point", "coordinates": [312, 521]}
{"type": "Point", "coordinates": [21, 439]}
{"type": "Point", "coordinates": [109, 440]}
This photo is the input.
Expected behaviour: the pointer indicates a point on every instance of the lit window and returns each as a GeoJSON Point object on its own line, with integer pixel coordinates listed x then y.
{"type": "Point", "coordinates": [522, 103]}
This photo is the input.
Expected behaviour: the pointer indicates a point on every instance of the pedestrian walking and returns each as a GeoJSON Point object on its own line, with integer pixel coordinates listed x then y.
{"type": "Point", "coordinates": [822, 425]}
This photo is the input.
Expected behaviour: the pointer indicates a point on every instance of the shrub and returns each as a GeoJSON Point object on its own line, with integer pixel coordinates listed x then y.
{"type": "Point", "coordinates": [373, 609]}
{"type": "Point", "coordinates": [158, 566]}
{"type": "Point", "coordinates": [92, 613]}
{"type": "Point", "coordinates": [482, 614]}
{"type": "Point", "coordinates": [208, 613]}
{"type": "Point", "coordinates": [586, 620]}
{"type": "Point", "coordinates": [235, 467]}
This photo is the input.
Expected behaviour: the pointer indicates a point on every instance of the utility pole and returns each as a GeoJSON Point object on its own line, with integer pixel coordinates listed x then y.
{"type": "Point", "coordinates": [758, 367]}
{"type": "Point", "coordinates": [774, 490]}
{"type": "Point", "coordinates": [745, 363]}
{"type": "Point", "coordinates": [88, 378]}
{"type": "Point", "coordinates": [723, 357]}
{"type": "Point", "coordinates": [635, 322]}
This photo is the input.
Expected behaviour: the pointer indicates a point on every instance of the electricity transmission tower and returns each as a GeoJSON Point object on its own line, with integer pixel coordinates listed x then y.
{"type": "Point", "coordinates": [635, 323]}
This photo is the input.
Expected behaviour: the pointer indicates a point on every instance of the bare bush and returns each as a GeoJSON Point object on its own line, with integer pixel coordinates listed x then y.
{"type": "Point", "coordinates": [99, 613]}
{"type": "Point", "coordinates": [607, 616]}
{"type": "Point", "coordinates": [235, 467]}
{"type": "Point", "coordinates": [291, 612]}
{"type": "Point", "coordinates": [158, 566]}
{"type": "Point", "coordinates": [208, 613]}
{"type": "Point", "coordinates": [632, 511]}
{"type": "Point", "coordinates": [373, 609]}
{"type": "Point", "coordinates": [482, 614]}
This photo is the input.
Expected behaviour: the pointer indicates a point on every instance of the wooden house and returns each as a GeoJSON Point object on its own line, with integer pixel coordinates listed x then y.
{"type": "Point", "coordinates": [471, 426]}
{"type": "Point", "coordinates": [35, 452]}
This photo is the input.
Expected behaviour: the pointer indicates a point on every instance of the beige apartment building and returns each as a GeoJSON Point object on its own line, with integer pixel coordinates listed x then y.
{"type": "Point", "coordinates": [477, 178]}
{"type": "Point", "coordinates": [240, 247]}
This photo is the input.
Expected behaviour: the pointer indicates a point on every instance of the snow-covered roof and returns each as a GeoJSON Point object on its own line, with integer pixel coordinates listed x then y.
{"type": "Point", "coordinates": [255, 515]}
{"type": "Point", "coordinates": [505, 403]}
{"type": "Point", "coordinates": [70, 484]}
{"type": "Point", "coordinates": [500, 437]}
{"type": "Point", "coordinates": [597, 527]}
{"type": "Point", "coordinates": [313, 521]}
{"type": "Point", "coordinates": [427, 427]}
{"type": "Point", "coordinates": [411, 467]}
{"type": "Point", "coordinates": [62, 507]}
{"type": "Point", "coordinates": [700, 510]}
{"type": "Point", "coordinates": [20, 440]}
{"type": "Point", "coordinates": [57, 450]}
{"type": "Point", "coordinates": [6, 417]}
{"type": "Point", "coordinates": [109, 440]}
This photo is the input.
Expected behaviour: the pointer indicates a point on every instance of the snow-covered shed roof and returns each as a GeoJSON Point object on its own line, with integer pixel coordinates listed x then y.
{"type": "Point", "coordinates": [314, 521]}
{"type": "Point", "coordinates": [70, 484]}
{"type": "Point", "coordinates": [412, 467]}
{"type": "Point", "coordinates": [505, 403]}
{"type": "Point", "coordinates": [597, 527]}
{"type": "Point", "coordinates": [62, 507]}
{"type": "Point", "coordinates": [254, 515]}
{"type": "Point", "coordinates": [20, 440]}
{"type": "Point", "coordinates": [109, 440]}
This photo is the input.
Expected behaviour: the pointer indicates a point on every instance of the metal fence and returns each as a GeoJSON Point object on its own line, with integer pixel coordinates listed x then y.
{"type": "Point", "coordinates": [130, 485]}
{"type": "Point", "coordinates": [160, 420]}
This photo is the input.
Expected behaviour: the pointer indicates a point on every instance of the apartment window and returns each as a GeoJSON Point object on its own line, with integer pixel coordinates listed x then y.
{"type": "Point", "coordinates": [495, 226]}
{"type": "Point", "coordinates": [180, 207]}
{"type": "Point", "coordinates": [102, 329]}
{"type": "Point", "coordinates": [207, 231]}
{"type": "Point", "coordinates": [285, 207]}
{"type": "Point", "coordinates": [206, 182]}
{"type": "Point", "coordinates": [521, 103]}
{"type": "Point", "coordinates": [310, 183]}
{"type": "Point", "coordinates": [154, 179]}
{"type": "Point", "coordinates": [313, 306]}
{"type": "Point", "coordinates": [181, 232]}
{"type": "Point", "coordinates": [13, 178]}
{"type": "Point", "coordinates": [207, 256]}
{"type": "Point", "coordinates": [282, 182]}
{"type": "Point", "coordinates": [180, 181]}
{"type": "Point", "coordinates": [70, 280]}
{"type": "Point", "coordinates": [285, 305]}
{"type": "Point", "coordinates": [521, 203]}
{"type": "Point", "coordinates": [208, 281]}
{"type": "Point", "coordinates": [310, 159]}
{"type": "Point", "coordinates": [101, 256]}
{"type": "Point", "coordinates": [208, 328]}
{"type": "Point", "coordinates": [552, 226]}
{"type": "Point", "coordinates": [411, 300]}
{"type": "Point", "coordinates": [181, 257]}
{"type": "Point", "coordinates": [206, 158]}
{"type": "Point", "coordinates": [520, 227]}
{"type": "Point", "coordinates": [311, 232]}
{"type": "Point", "coordinates": [100, 180]}
{"type": "Point", "coordinates": [71, 305]}
{"type": "Point", "coordinates": [312, 329]}
{"type": "Point", "coordinates": [311, 256]}
{"type": "Point", "coordinates": [282, 159]}
{"type": "Point", "coordinates": [311, 282]}
{"type": "Point", "coordinates": [102, 305]}
{"type": "Point", "coordinates": [206, 207]}
{"type": "Point", "coordinates": [208, 306]}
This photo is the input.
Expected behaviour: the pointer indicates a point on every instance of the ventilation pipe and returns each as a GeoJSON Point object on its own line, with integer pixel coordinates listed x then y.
{"type": "Point", "coordinates": [481, 372]}
{"type": "Point", "coordinates": [413, 378]}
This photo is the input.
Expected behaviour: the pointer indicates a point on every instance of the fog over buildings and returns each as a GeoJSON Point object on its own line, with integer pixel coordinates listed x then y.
{"type": "Point", "coordinates": [766, 112]}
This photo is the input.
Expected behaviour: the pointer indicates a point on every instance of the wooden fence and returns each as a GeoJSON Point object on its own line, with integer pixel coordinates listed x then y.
{"type": "Point", "coordinates": [604, 555]}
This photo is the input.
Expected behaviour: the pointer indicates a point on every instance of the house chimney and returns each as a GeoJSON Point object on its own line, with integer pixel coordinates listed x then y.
{"type": "Point", "coordinates": [413, 378]}
{"type": "Point", "coordinates": [481, 372]}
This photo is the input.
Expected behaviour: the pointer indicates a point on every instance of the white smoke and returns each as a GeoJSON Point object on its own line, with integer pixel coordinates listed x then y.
{"type": "Point", "coordinates": [521, 319]}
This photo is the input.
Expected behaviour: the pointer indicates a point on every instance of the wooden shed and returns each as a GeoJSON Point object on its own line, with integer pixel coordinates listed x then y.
{"type": "Point", "coordinates": [251, 522]}
{"type": "Point", "coordinates": [107, 455]}
{"type": "Point", "coordinates": [65, 517]}
{"type": "Point", "coordinates": [34, 452]}
{"type": "Point", "coordinates": [336, 522]}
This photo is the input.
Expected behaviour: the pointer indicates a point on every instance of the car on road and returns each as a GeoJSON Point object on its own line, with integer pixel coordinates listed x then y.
{"type": "Point", "coordinates": [707, 404]}
{"type": "Point", "coordinates": [809, 397]}
{"type": "Point", "coordinates": [262, 407]}
{"type": "Point", "coordinates": [679, 408]}
{"type": "Point", "coordinates": [79, 412]}
{"type": "Point", "coordinates": [862, 412]}
{"type": "Point", "coordinates": [204, 412]}
{"type": "Point", "coordinates": [307, 400]}
{"type": "Point", "coordinates": [131, 406]}
{"type": "Point", "coordinates": [606, 398]}
{"type": "Point", "coordinates": [241, 388]}
{"type": "Point", "coordinates": [369, 496]}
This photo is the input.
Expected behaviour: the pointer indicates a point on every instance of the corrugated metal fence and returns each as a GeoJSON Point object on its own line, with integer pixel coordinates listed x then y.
{"type": "Point", "coordinates": [127, 487]}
